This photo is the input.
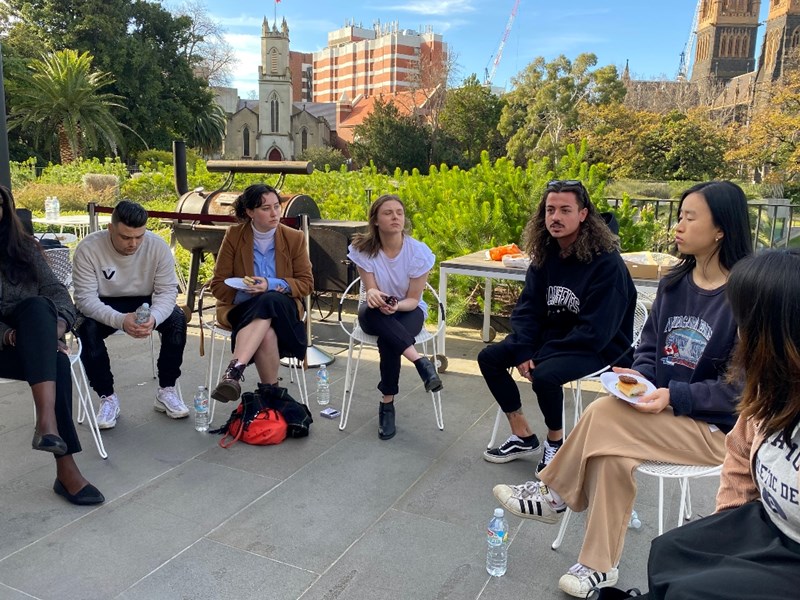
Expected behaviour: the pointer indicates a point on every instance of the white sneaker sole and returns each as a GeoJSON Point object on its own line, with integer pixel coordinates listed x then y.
{"type": "Point", "coordinates": [159, 406]}
{"type": "Point", "coordinates": [108, 424]}
{"type": "Point", "coordinates": [569, 584]}
{"type": "Point", "coordinates": [526, 509]}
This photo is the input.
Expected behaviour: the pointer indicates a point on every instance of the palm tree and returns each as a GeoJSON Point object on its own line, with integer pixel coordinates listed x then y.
{"type": "Point", "coordinates": [60, 95]}
{"type": "Point", "coordinates": [208, 129]}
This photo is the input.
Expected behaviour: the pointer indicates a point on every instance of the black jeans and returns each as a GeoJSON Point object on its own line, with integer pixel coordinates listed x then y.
{"type": "Point", "coordinates": [395, 333]}
{"type": "Point", "coordinates": [548, 377]}
{"type": "Point", "coordinates": [95, 355]}
{"type": "Point", "coordinates": [35, 359]}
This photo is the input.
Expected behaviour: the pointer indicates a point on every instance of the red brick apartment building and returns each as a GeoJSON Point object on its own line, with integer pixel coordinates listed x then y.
{"type": "Point", "coordinates": [382, 60]}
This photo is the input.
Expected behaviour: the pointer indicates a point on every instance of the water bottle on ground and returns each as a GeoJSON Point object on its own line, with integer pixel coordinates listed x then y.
{"type": "Point", "coordinates": [634, 523]}
{"type": "Point", "coordinates": [201, 409]}
{"type": "Point", "coordinates": [48, 208]}
{"type": "Point", "coordinates": [142, 313]}
{"type": "Point", "coordinates": [497, 544]}
{"type": "Point", "coordinates": [323, 387]}
{"type": "Point", "coordinates": [56, 208]}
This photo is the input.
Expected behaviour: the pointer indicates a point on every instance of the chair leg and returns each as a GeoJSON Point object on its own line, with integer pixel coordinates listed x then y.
{"type": "Point", "coordinates": [437, 409]}
{"type": "Point", "coordinates": [436, 397]}
{"type": "Point", "coordinates": [493, 439]}
{"type": "Point", "coordinates": [660, 505]}
{"type": "Point", "coordinates": [349, 384]}
{"type": "Point", "coordinates": [561, 530]}
{"type": "Point", "coordinates": [153, 352]}
{"type": "Point", "coordinates": [296, 370]}
{"type": "Point", "coordinates": [85, 407]}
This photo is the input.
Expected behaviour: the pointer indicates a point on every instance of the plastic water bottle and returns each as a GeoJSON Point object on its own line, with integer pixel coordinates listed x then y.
{"type": "Point", "coordinates": [323, 387]}
{"type": "Point", "coordinates": [201, 409]}
{"type": "Point", "coordinates": [56, 208]}
{"type": "Point", "coordinates": [142, 313]}
{"type": "Point", "coordinates": [497, 544]}
{"type": "Point", "coordinates": [634, 523]}
{"type": "Point", "coordinates": [48, 209]}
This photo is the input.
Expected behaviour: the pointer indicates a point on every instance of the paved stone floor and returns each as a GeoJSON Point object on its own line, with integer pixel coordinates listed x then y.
{"type": "Point", "coordinates": [337, 515]}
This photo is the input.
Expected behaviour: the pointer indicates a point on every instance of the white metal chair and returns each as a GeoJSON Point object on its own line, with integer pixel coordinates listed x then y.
{"type": "Point", "coordinates": [662, 471]}
{"type": "Point", "coordinates": [216, 330]}
{"type": "Point", "coordinates": [683, 473]}
{"type": "Point", "coordinates": [357, 335]}
{"type": "Point", "coordinates": [639, 319]}
{"type": "Point", "coordinates": [60, 264]}
{"type": "Point", "coordinates": [216, 361]}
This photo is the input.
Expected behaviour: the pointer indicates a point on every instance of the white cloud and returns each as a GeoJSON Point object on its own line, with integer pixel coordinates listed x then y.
{"type": "Point", "coordinates": [433, 7]}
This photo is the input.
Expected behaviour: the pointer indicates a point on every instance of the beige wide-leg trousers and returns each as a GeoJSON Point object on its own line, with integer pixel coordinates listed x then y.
{"type": "Point", "coordinates": [594, 469]}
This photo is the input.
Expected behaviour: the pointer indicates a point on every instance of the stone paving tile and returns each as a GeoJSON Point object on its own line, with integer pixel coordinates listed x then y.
{"type": "Point", "coordinates": [336, 515]}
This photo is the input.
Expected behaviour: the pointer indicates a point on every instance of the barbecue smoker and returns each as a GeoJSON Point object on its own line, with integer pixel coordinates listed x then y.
{"type": "Point", "coordinates": [203, 217]}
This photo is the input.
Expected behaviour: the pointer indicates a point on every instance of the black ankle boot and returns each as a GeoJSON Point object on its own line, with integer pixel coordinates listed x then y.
{"type": "Point", "coordinates": [386, 429]}
{"type": "Point", "coordinates": [427, 373]}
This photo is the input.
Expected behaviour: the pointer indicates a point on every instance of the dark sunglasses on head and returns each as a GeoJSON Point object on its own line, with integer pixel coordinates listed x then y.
{"type": "Point", "coordinates": [563, 183]}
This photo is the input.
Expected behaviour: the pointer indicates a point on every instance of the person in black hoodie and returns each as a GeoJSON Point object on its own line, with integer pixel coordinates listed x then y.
{"type": "Point", "coordinates": [574, 317]}
{"type": "Point", "coordinates": [687, 344]}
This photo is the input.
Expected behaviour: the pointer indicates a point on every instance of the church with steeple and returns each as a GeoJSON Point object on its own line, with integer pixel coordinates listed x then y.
{"type": "Point", "coordinates": [278, 125]}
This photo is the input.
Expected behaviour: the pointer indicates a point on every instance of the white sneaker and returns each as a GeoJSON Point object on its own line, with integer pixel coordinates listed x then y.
{"type": "Point", "coordinates": [579, 580]}
{"type": "Point", "coordinates": [531, 500]}
{"type": "Point", "coordinates": [168, 401]}
{"type": "Point", "coordinates": [108, 413]}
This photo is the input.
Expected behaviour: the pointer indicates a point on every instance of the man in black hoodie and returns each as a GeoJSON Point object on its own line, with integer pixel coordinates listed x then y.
{"type": "Point", "coordinates": [574, 317]}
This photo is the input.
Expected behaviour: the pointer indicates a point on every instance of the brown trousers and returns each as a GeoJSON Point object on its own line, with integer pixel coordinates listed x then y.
{"type": "Point", "coordinates": [594, 469]}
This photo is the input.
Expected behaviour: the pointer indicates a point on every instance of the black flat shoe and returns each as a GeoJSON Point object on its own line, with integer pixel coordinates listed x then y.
{"type": "Point", "coordinates": [386, 428]}
{"type": "Point", "coordinates": [87, 496]}
{"type": "Point", "coordinates": [428, 374]}
{"type": "Point", "coordinates": [49, 443]}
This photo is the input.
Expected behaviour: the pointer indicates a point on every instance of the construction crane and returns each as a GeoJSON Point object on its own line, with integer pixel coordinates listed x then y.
{"type": "Point", "coordinates": [685, 66]}
{"type": "Point", "coordinates": [490, 74]}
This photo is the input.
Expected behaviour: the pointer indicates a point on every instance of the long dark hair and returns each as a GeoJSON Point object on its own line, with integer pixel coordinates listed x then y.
{"type": "Point", "coordinates": [764, 294]}
{"type": "Point", "coordinates": [594, 236]}
{"type": "Point", "coordinates": [370, 242]}
{"type": "Point", "coordinates": [728, 206]}
{"type": "Point", "coordinates": [16, 246]}
{"type": "Point", "coordinates": [251, 198]}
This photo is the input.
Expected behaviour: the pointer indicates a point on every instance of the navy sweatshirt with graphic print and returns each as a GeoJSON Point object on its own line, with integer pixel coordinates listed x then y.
{"type": "Point", "coordinates": [686, 346]}
{"type": "Point", "coordinates": [569, 306]}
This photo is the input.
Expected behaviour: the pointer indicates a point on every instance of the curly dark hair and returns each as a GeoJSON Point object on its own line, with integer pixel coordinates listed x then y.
{"type": "Point", "coordinates": [594, 236]}
{"type": "Point", "coordinates": [251, 198]}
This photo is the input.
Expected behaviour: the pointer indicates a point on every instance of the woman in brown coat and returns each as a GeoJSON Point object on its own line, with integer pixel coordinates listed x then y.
{"type": "Point", "coordinates": [264, 309]}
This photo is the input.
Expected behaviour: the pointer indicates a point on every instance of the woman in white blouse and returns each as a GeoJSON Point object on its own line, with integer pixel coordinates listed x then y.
{"type": "Point", "coordinates": [394, 268]}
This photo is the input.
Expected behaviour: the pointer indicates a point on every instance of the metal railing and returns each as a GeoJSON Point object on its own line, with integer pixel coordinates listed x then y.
{"type": "Point", "coordinates": [772, 220]}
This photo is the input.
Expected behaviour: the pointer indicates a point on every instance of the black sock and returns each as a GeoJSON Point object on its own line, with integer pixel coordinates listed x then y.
{"type": "Point", "coordinates": [528, 439]}
{"type": "Point", "coordinates": [556, 444]}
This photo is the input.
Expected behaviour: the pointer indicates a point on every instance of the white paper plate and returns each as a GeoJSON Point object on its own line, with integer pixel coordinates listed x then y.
{"type": "Point", "coordinates": [609, 380]}
{"type": "Point", "coordinates": [236, 283]}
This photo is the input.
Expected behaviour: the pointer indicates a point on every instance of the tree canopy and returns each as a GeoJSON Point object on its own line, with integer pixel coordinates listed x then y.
{"type": "Point", "coordinates": [61, 95]}
{"type": "Point", "coordinates": [544, 105]}
{"type": "Point", "coordinates": [139, 43]}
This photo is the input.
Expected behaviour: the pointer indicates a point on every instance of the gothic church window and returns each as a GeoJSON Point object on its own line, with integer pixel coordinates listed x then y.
{"type": "Point", "coordinates": [273, 61]}
{"type": "Point", "coordinates": [274, 114]}
{"type": "Point", "coordinates": [303, 139]}
{"type": "Point", "coordinates": [246, 141]}
{"type": "Point", "coordinates": [795, 41]}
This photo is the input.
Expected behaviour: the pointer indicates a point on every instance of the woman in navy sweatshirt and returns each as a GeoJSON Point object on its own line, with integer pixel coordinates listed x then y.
{"type": "Point", "coordinates": [686, 346]}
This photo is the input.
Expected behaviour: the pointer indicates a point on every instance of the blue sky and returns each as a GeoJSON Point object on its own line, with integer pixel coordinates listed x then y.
{"type": "Point", "coordinates": [649, 33]}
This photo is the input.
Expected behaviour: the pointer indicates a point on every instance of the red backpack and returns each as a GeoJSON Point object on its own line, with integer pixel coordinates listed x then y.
{"type": "Point", "coordinates": [253, 423]}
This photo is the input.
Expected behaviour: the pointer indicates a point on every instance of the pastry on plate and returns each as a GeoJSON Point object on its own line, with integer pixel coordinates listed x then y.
{"type": "Point", "coordinates": [630, 386]}
{"type": "Point", "coordinates": [248, 280]}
